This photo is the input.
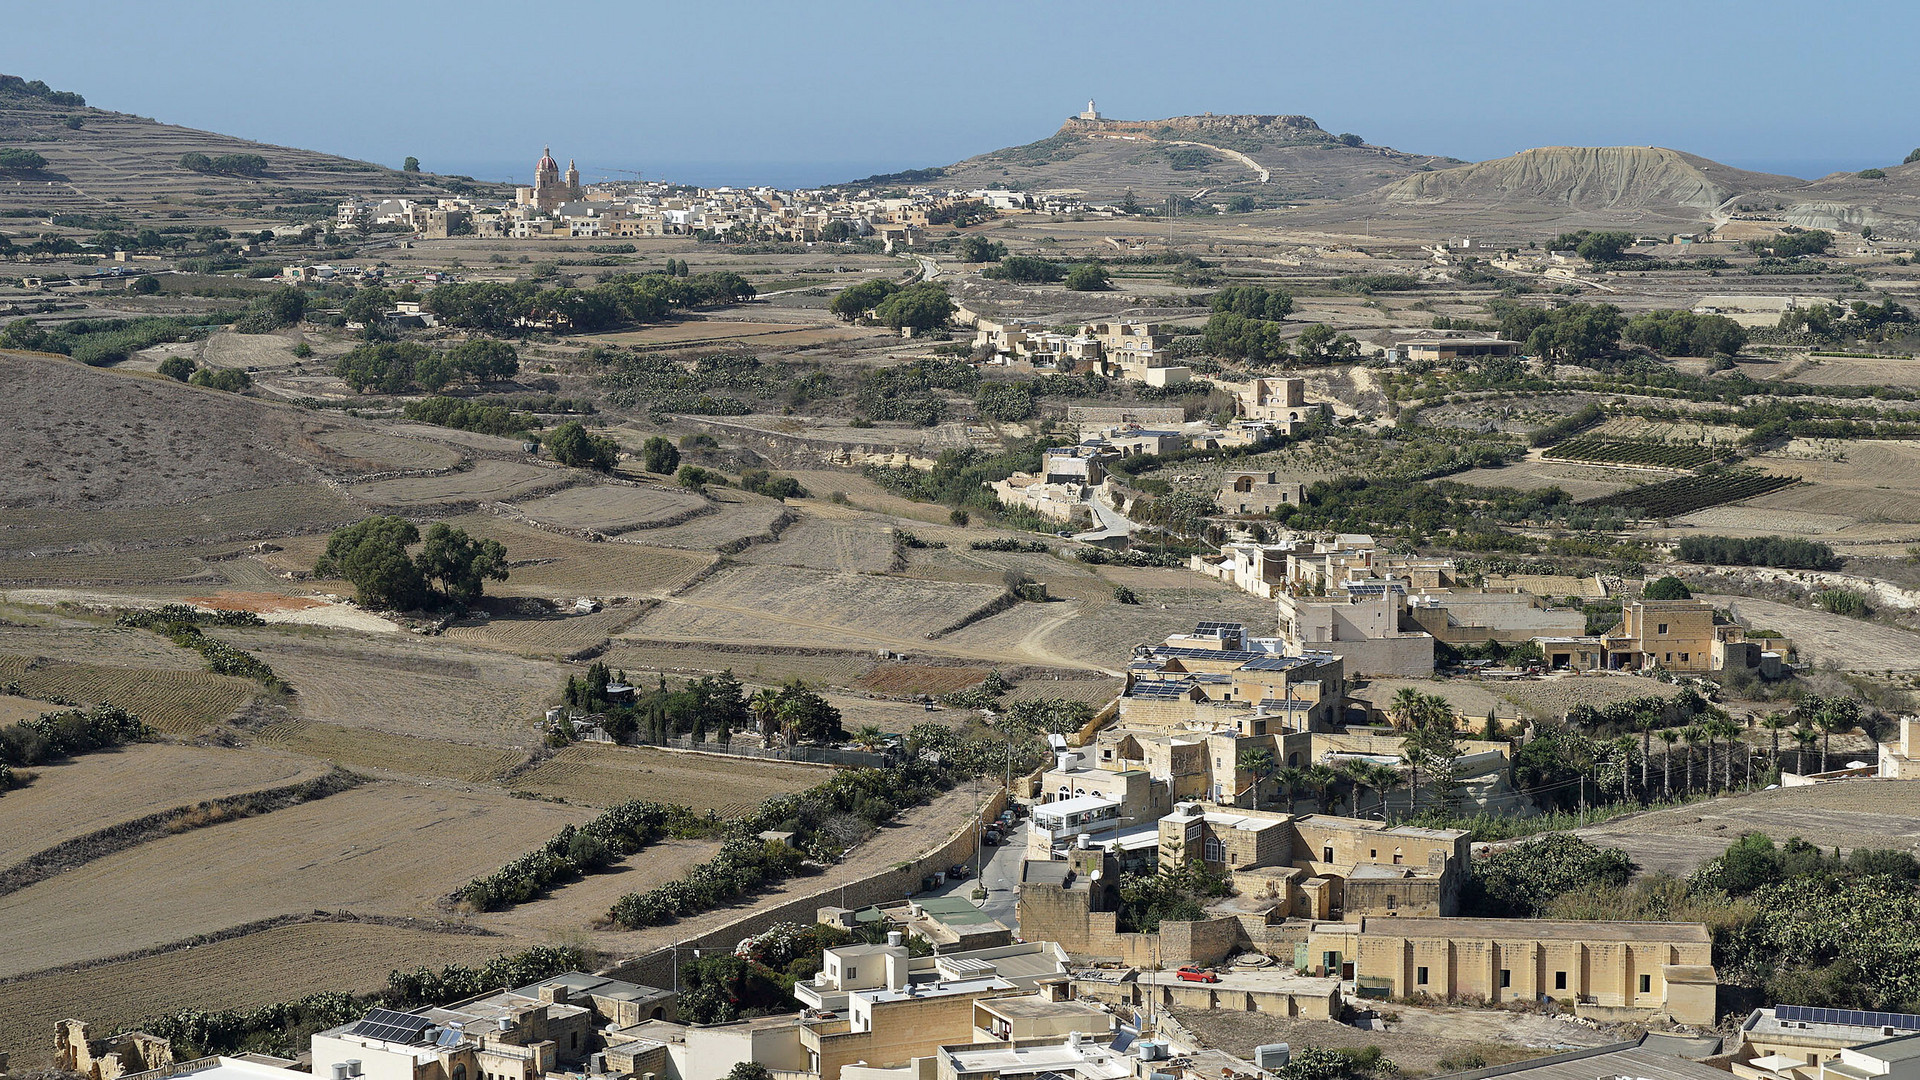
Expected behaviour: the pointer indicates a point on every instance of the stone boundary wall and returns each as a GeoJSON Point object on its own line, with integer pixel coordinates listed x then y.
{"type": "Point", "coordinates": [656, 968]}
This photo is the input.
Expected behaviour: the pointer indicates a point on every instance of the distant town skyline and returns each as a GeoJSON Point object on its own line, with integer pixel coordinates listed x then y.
{"type": "Point", "coordinates": [732, 92]}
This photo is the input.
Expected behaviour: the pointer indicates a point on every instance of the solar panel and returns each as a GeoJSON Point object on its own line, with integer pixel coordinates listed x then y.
{"type": "Point", "coordinates": [1123, 1039]}
{"type": "Point", "coordinates": [1847, 1017]}
{"type": "Point", "coordinates": [390, 1026]}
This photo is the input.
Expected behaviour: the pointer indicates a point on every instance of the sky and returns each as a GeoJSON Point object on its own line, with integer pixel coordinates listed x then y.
{"type": "Point", "coordinates": [791, 94]}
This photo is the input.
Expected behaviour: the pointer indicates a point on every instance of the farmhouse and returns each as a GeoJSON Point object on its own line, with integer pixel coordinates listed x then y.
{"type": "Point", "coordinates": [1461, 348]}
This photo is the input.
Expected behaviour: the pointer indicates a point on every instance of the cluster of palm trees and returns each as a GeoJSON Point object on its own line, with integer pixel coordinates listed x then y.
{"type": "Point", "coordinates": [1327, 783]}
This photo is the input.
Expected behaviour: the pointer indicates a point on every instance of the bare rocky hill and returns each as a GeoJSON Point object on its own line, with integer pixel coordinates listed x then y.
{"type": "Point", "coordinates": [1845, 202]}
{"type": "Point", "coordinates": [1557, 187]}
{"type": "Point", "coordinates": [1276, 159]}
{"type": "Point", "coordinates": [122, 164]}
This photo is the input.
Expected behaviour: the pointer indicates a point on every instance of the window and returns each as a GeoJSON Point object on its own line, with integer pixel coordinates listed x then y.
{"type": "Point", "coordinates": [1373, 853]}
{"type": "Point", "coordinates": [1392, 902]}
{"type": "Point", "coordinates": [1396, 856]}
{"type": "Point", "coordinates": [1506, 977]}
{"type": "Point", "coordinates": [573, 1041]}
{"type": "Point", "coordinates": [1683, 658]}
{"type": "Point", "coordinates": [1661, 630]}
{"type": "Point", "coordinates": [1646, 984]}
{"type": "Point", "coordinates": [852, 973]}
{"type": "Point", "coordinates": [1326, 853]}
{"type": "Point", "coordinates": [1420, 976]}
{"type": "Point", "coordinates": [1559, 980]}
{"type": "Point", "coordinates": [1213, 850]}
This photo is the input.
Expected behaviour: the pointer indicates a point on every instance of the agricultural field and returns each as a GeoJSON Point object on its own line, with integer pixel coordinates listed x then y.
{"type": "Point", "coordinates": [363, 748]}
{"type": "Point", "coordinates": [243, 972]}
{"type": "Point", "coordinates": [548, 564]}
{"type": "Point", "coordinates": [96, 790]}
{"type": "Point", "coordinates": [1639, 455]}
{"type": "Point", "coordinates": [612, 508]}
{"type": "Point", "coordinates": [1682, 496]}
{"type": "Point", "coordinates": [377, 451]}
{"type": "Point", "coordinates": [689, 333]}
{"type": "Point", "coordinates": [794, 606]}
{"type": "Point", "coordinates": [239, 515]}
{"type": "Point", "coordinates": [381, 848]}
{"type": "Point", "coordinates": [562, 913]}
{"type": "Point", "coordinates": [488, 481]}
{"type": "Point", "coordinates": [829, 537]}
{"type": "Point", "coordinates": [1095, 692]}
{"type": "Point", "coordinates": [1900, 371]}
{"type": "Point", "coordinates": [1533, 474]}
{"type": "Point", "coordinates": [595, 774]}
{"type": "Point", "coordinates": [765, 667]}
{"type": "Point", "coordinates": [1881, 814]}
{"type": "Point", "coordinates": [1472, 698]}
{"type": "Point", "coordinates": [172, 702]}
{"type": "Point", "coordinates": [738, 516]}
{"type": "Point", "coordinates": [13, 709]}
{"type": "Point", "coordinates": [399, 682]}
{"type": "Point", "coordinates": [915, 680]}
{"type": "Point", "coordinates": [1631, 428]}
{"type": "Point", "coordinates": [96, 644]}
{"type": "Point", "coordinates": [557, 634]}
{"type": "Point", "coordinates": [1847, 643]}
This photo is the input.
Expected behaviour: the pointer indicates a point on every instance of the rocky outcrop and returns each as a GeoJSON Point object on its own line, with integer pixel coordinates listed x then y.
{"type": "Point", "coordinates": [1585, 178]}
{"type": "Point", "coordinates": [1274, 128]}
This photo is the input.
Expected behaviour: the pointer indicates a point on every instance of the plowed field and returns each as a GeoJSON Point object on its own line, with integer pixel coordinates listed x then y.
{"type": "Point", "coordinates": [598, 775]}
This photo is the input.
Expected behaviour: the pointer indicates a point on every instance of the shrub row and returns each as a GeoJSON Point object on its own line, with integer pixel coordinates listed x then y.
{"type": "Point", "coordinates": [615, 834]}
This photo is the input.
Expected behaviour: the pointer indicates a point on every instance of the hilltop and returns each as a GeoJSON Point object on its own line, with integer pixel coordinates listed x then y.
{"type": "Point", "coordinates": [1556, 187]}
{"type": "Point", "coordinates": [1275, 159]}
{"type": "Point", "coordinates": [100, 161]}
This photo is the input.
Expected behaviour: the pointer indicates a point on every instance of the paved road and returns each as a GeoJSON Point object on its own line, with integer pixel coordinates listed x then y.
{"type": "Point", "coordinates": [1111, 521]}
{"type": "Point", "coordinates": [1000, 874]}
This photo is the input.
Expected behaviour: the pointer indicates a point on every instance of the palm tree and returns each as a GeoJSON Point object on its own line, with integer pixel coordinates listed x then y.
{"type": "Point", "coordinates": [1260, 762]}
{"type": "Point", "coordinates": [1363, 774]}
{"type": "Point", "coordinates": [765, 705]}
{"type": "Point", "coordinates": [1668, 736]}
{"type": "Point", "coordinates": [1806, 737]}
{"type": "Point", "coordinates": [1646, 721]}
{"type": "Point", "coordinates": [869, 737]}
{"type": "Point", "coordinates": [1695, 735]}
{"type": "Point", "coordinates": [1291, 780]}
{"type": "Point", "coordinates": [1406, 706]}
{"type": "Point", "coordinates": [1321, 779]}
{"type": "Point", "coordinates": [1776, 723]}
{"type": "Point", "coordinates": [1727, 729]}
{"type": "Point", "coordinates": [1834, 714]}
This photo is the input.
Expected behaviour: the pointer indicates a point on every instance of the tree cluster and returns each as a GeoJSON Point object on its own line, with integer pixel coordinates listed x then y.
{"type": "Point", "coordinates": [1522, 880]}
{"type": "Point", "coordinates": [1780, 551]}
{"type": "Point", "coordinates": [1793, 243]}
{"type": "Point", "coordinates": [573, 853]}
{"type": "Point", "coordinates": [225, 164]}
{"type": "Point", "coordinates": [1175, 894]}
{"type": "Point", "coordinates": [55, 735]}
{"type": "Point", "coordinates": [501, 308]}
{"type": "Point", "coordinates": [1574, 332]}
{"type": "Point", "coordinates": [1683, 333]}
{"type": "Point", "coordinates": [395, 367]}
{"type": "Point", "coordinates": [487, 419]}
{"type": "Point", "coordinates": [16, 86]}
{"type": "Point", "coordinates": [372, 555]}
{"type": "Point", "coordinates": [572, 445]}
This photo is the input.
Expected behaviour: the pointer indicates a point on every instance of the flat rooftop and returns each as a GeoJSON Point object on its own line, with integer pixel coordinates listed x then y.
{"type": "Point", "coordinates": [1553, 929]}
{"type": "Point", "coordinates": [1036, 1007]}
{"type": "Point", "coordinates": [1085, 1062]}
{"type": "Point", "coordinates": [1636, 1061]}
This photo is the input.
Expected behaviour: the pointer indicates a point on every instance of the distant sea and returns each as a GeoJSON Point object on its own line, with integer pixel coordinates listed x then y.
{"type": "Point", "coordinates": [786, 175]}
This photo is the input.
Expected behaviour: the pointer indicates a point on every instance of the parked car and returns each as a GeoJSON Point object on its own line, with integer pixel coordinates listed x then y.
{"type": "Point", "coordinates": [1194, 974]}
{"type": "Point", "coordinates": [960, 871]}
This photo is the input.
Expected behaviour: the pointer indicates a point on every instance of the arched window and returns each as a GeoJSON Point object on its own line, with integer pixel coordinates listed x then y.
{"type": "Point", "coordinates": [459, 1070]}
{"type": "Point", "coordinates": [1213, 850]}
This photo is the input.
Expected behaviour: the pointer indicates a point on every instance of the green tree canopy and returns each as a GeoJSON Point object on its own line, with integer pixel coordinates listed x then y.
{"type": "Point", "coordinates": [572, 445]}
{"type": "Point", "coordinates": [1604, 247]}
{"type": "Point", "coordinates": [659, 455]}
{"type": "Point", "coordinates": [372, 554]}
{"type": "Point", "coordinates": [180, 368]}
{"type": "Point", "coordinates": [412, 164]}
{"type": "Point", "coordinates": [856, 300]}
{"type": "Point", "coordinates": [1088, 277]}
{"type": "Point", "coordinates": [921, 307]}
{"type": "Point", "coordinates": [1523, 879]}
{"type": "Point", "coordinates": [1253, 301]}
{"type": "Point", "coordinates": [461, 563]}
{"type": "Point", "coordinates": [1667, 588]}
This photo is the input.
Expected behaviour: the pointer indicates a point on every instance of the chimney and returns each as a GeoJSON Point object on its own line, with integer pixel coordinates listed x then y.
{"type": "Point", "coordinates": [554, 993]}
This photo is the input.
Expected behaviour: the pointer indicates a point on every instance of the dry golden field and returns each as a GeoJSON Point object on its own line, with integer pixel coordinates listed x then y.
{"type": "Point", "coordinates": [14, 709]}
{"type": "Point", "coordinates": [382, 848]}
{"type": "Point", "coordinates": [380, 451]}
{"type": "Point", "coordinates": [768, 668]}
{"type": "Point", "coordinates": [93, 791]}
{"type": "Point", "coordinates": [558, 634]}
{"type": "Point", "coordinates": [174, 702]}
{"type": "Point", "coordinates": [829, 537]}
{"type": "Point", "coordinates": [797, 606]}
{"type": "Point", "coordinates": [912, 680]}
{"type": "Point", "coordinates": [366, 748]}
{"type": "Point", "coordinates": [595, 774]}
{"type": "Point", "coordinates": [564, 911]}
{"type": "Point", "coordinates": [244, 972]}
{"type": "Point", "coordinates": [274, 511]}
{"type": "Point", "coordinates": [737, 516]}
{"type": "Point", "coordinates": [555, 566]}
{"type": "Point", "coordinates": [488, 481]}
{"type": "Point", "coordinates": [399, 682]}
{"type": "Point", "coordinates": [613, 508]}
{"type": "Point", "coordinates": [84, 642]}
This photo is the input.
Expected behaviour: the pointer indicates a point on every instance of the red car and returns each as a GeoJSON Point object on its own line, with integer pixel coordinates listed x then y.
{"type": "Point", "coordinates": [1194, 974]}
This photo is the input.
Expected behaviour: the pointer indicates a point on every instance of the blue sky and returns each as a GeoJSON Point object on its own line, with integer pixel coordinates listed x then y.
{"type": "Point", "coordinates": [809, 92]}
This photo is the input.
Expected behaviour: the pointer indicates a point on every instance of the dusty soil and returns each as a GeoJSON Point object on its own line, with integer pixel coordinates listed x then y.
{"type": "Point", "coordinates": [595, 774]}
{"type": "Point", "coordinates": [384, 847]}
{"type": "Point", "coordinates": [1852, 644]}
{"type": "Point", "coordinates": [1416, 1043]}
{"type": "Point", "coordinates": [1865, 813]}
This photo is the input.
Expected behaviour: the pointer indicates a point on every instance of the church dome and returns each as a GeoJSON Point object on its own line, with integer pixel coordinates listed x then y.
{"type": "Point", "coordinates": [547, 164]}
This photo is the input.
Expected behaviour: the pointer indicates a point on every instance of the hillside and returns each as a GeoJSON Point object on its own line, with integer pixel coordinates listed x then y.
{"type": "Point", "coordinates": [1101, 160]}
{"type": "Point", "coordinates": [129, 165]}
{"type": "Point", "coordinates": [1558, 187]}
{"type": "Point", "coordinates": [1845, 202]}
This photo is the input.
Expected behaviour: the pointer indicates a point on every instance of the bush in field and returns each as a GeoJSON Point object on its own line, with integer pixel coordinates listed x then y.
{"type": "Point", "coordinates": [571, 445]}
{"type": "Point", "coordinates": [1843, 602]}
{"type": "Point", "coordinates": [659, 455]}
{"type": "Point", "coordinates": [1777, 551]}
{"type": "Point", "coordinates": [230, 379]}
{"type": "Point", "coordinates": [1667, 588]}
{"type": "Point", "coordinates": [178, 368]}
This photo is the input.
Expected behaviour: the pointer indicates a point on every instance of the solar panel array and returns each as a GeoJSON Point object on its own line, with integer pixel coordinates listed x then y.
{"type": "Point", "coordinates": [390, 1026]}
{"type": "Point", "coordinates": [1848, 1017]}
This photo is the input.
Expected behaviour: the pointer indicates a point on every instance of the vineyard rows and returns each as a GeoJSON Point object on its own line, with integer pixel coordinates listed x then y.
{"type": "Point", "coordinates": [1686, 494]}
{"type": "Point", "coordinates": [1619, 452]}
{"type": "Point", "coordinates": [174, 702]}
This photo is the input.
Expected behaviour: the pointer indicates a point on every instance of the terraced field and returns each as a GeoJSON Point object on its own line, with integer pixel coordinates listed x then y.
{"type": "Point", "coordinates": [611, 508]}
{"type": "Point", "coordinates": [555, 566]}
{"type": "Point", "coordinates": [753, 665]}
{"type": "Point", "coordinates": [912, 680]}
{"type": "Point", "coordinates": [592, 774]}
{"type": "Point", "coordinates": [381, 451]}
{"type": "Point", "coordinates": [790, 605]}
{"type": "Point", "coordinates": [385, 848]}
{"type": "Point", "coordinates": [738, 516]}
{"type": "Point", "coordinates": [175, 702]}
{"type": "Point", "coordinates": [488, 481]}
{"type": "Point", "coordinates": [366, 748]}
{"type": "Point", "coordinates": [559, 634]}
{"type": "Point", "coordinates": [275, 511]}
{"type": "Point", "coordinates": [92, 791]}
{"type": "Point", "coordinates": [830, 538]}
{"type": "Point", "coordinates": [239, 973]}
